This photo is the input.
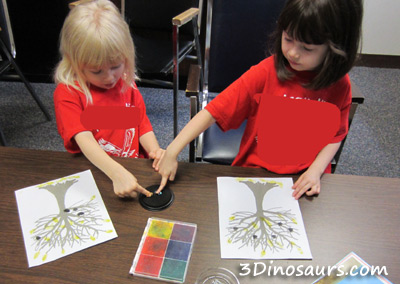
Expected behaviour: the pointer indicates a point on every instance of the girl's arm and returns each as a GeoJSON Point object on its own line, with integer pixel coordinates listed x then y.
{"type": "Point", "coordinates": [124, 183]}
{"type": "Point", "coordinates": [168, 164]}
{"type": "Point", "coordinates": [150, 144]}
{"type": "Point", "coordinates": [310, 181]}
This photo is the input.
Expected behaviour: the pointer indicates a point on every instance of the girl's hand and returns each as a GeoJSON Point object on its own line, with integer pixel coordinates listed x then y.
{"type": "Point", "coordinates": [156, 156]}
{"type": "Point", "coordinates": [309, 182]}
{"type": "Point", "coordinates": [125, 185]}
{"type": "Point", "coordinates": [167, 168]}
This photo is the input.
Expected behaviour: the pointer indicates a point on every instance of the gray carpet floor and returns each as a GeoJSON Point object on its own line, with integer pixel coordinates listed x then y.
{"type": "Point", "coordinates": [372, 147]}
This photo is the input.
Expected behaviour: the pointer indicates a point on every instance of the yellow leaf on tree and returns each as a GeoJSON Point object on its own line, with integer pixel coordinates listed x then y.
{"type": "Point", "coordinates": [266, 221]}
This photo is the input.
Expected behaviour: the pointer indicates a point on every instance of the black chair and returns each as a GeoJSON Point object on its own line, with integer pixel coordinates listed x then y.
{"type": "Point", "coordinates": [8, 67]}
{"type": "Point", "coordinates": [162, 39]}
{"type": "Point", "coordinates": [236, 38]}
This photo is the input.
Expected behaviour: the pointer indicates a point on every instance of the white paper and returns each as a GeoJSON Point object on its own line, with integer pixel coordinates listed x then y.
{"type": "Point", "coordinates": [259, 219]}
{"type": "Point", "coordinates": [61, 217]}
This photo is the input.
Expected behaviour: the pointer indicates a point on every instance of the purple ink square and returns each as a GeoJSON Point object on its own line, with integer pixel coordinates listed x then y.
{"type": "Point", "coordinates": [183, 233]}
{"type": "Point", "coordinates": [178, 250]}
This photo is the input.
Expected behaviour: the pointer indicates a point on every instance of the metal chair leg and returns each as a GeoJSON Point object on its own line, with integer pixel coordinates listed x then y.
{"type": "Point", "coordinates": [31, 90]}
{"type": "Point", "coordinates": [2, 138]}
{"type": "Point", "coordinates": [175, 39]}
{"type": "Point", "coordinates": [22, 77]}
{"type": "Point", "coordinates": [198, 51]}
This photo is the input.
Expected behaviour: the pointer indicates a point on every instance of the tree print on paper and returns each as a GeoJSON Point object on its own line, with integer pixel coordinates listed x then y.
{"type": "Point", "coordinates": [73, 225]}
{"type": "Point", "coordinates": [265, 229]}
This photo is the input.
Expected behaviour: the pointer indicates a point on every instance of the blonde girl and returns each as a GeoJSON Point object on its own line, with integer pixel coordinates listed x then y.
{"type": "Point", "coordinates": [97, 68]}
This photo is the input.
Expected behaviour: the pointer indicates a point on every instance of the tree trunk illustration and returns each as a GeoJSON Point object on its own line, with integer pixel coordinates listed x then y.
{"type": "Point", "coordinates": [71, 225]}
{"type": "Point", "coordinates": [265, 229]}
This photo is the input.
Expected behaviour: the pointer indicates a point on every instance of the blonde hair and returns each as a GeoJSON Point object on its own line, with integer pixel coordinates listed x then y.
{"type": "Point", "coordinates": [94, 34]}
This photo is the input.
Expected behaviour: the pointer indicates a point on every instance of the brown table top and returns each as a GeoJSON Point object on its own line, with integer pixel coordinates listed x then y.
{"type": "Point", "coordinates": [352, 213]}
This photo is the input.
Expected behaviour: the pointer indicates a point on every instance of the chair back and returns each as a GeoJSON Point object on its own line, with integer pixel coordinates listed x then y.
{"type": "Point", "coordinates": [151, 27]}
{"type": "Point", "coordinates": [157, 14]}
{"type": "Point", "coordinates": [237, 37]}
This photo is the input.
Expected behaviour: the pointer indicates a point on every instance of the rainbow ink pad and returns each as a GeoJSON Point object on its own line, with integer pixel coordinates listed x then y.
{"type": "Point", "coordinates": [157, 202]}
{"type": "Point", "coordinates": [164, 250]}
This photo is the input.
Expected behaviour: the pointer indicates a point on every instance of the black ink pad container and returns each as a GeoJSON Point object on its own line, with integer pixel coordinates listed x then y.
{"type": "Point", "coordinates": [157, 202]}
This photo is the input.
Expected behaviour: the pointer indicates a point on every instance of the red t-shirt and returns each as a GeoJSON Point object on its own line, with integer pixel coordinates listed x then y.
{"type": "Point", "coordinates": [70, 103]}
{"type": "Point", "coordinates": [240, 101]}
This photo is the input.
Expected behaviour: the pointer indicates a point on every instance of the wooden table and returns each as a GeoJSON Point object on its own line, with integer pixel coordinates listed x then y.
{"type": "Point", "coordinates": [352, 213]}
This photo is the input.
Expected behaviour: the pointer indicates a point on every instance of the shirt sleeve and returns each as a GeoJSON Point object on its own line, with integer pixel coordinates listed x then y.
{"type": "Point", "coordinates": [68, 108]}
{"type": "Point", "coordinates": [236, 103]}
{"type": "Point", "coordinates": [344, 110]}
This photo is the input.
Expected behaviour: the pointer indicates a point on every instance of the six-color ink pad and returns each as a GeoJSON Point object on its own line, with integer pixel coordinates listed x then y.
{"type": "Point", "coordinates": [164, 250]}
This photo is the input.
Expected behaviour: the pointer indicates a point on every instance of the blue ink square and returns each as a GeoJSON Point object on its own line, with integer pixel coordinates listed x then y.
{"type": "Point", "coordinates": [178, 250]}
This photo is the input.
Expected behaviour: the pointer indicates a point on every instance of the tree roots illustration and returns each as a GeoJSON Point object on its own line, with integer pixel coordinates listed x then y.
{"type": "Point", "coordinates": [72, 225]}
{"type": "Point", "coordinates": [271, 229]}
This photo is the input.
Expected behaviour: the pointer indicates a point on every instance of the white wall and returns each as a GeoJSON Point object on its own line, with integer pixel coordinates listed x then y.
{"type": "Point", "coordinates": [381, 27]}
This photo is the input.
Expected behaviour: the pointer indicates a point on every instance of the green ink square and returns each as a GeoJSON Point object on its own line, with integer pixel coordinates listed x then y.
{"type": "Point", "coordinates": [173, 269]}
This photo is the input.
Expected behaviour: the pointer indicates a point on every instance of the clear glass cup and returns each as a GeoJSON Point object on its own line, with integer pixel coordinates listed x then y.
{"type": "Point", "coordinates": [218, 275]}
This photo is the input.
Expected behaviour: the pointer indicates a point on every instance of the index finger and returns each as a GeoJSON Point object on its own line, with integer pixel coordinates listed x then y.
{"type": "Point", "coordinates": [144, 191]}
{"type": "Point", "coordinates": [300, 191]}
{"type": "Point", "coordinates": [163, 183]}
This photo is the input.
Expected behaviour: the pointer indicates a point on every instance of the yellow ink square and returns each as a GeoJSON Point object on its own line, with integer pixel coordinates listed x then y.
{"type": "Point", "coordinates": [160, 229]}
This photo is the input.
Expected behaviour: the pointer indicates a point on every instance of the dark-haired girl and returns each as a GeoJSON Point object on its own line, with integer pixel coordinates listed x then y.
{"type": "Point", "coordinates": [315, 47]}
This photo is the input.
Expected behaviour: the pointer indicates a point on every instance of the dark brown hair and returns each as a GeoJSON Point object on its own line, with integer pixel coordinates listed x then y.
{"type": "Point", "coordinates": [336, 23]}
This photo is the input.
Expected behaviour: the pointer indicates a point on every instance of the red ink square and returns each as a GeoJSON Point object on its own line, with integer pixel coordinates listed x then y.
{"type": "Point", "coordinates": [154, 246]}
{"type": "Point", "coordinates": [149, 265]}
